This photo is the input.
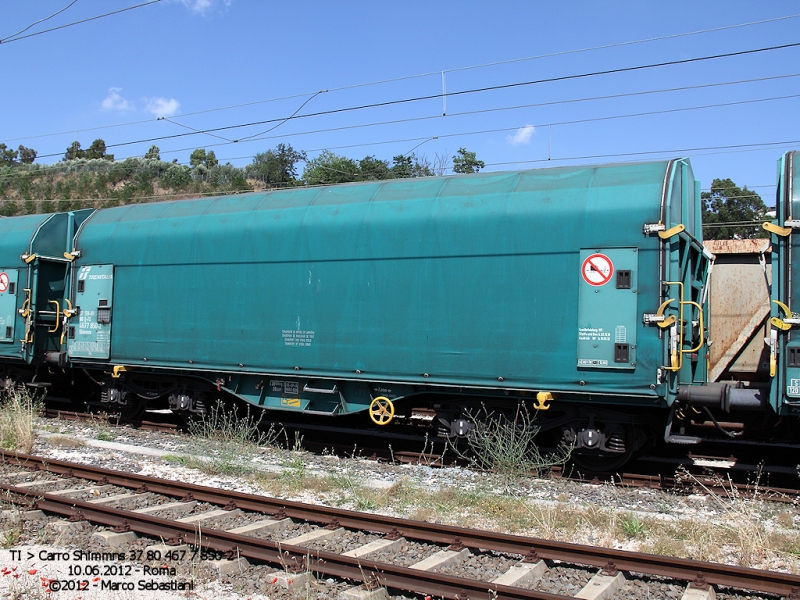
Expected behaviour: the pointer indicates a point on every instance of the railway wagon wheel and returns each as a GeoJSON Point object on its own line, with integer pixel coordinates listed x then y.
{"type": "Point", "coordinates": [381, 410]}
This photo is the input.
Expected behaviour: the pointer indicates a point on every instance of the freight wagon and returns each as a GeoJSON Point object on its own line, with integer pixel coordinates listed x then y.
{"type": "Point", "coordinates": [577, 292]}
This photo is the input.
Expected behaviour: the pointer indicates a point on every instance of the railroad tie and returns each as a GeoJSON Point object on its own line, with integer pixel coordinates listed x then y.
{"type": "Point", "coordinates": [601, 586]}
{"type": "Point", "coordinates": [312, 536]}
{"type": "Point", "coordinates": [375, 546]}
{"type": "Point", "coordinates": [290, 581]}
{"type": "Point", "coordinates": [30, 484]}
{"type": "Point", "coordinates": [695, 593]}
{"type": "Point", "coordinates": [179, 507]}
{"type": "Point", "coordinates": [113, 539]}
{"type": "Point", "coordinates": [522, 573]}
{"type": "Point", "coordinates": [265, 525]}
{"type": "Point", "coordinates": [110, 499]}
{"type": "Point", "coordinates": [212, 514]}
{"type": "Point", "coordinates": [86, 490]}
{"type": "Point", "coordinates": [441, 559]}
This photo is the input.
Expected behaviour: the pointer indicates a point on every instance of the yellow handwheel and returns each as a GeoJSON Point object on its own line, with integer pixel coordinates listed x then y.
{"type": "Point", "coordinates": [381, 411]}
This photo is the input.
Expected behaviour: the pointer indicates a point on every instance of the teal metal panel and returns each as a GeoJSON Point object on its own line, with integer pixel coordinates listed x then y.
{"type": "Point", "coordinates": [16, 237]}
{"type": "Point", "coordinates": [9, 291]}
{"type": "Point", "coordinates": [785, 385]}
{"type": "Point", "coordinates": [472, 280]}
{"type": "Point", "coordinates": [608, 316]}
{"type": "Point", "coordinates": [90, 337]}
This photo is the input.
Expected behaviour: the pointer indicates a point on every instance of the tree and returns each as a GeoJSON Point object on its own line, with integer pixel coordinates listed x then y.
{"type": "Point", "coordinates": [331, 168]}
{"type": "Point", "coordinates": [275, 167]}
{"type": "Point", "coordinates": [198, 157]}
{"type": "Point", "coordinates": [373, 168]}
{"type": "Point", "coordinates": [74, 151]}
{"type": "Point", "coordinates": [201, 157]}
{"type": "Point", "coordinates": [96, 150]}
{"type": "Point", "coordinates": [8, 157]}
{"type": "Point", "coordinates": [466, 162]}
{"type": "Point", "coordinates": [154, 153]}
{"type": "Point", "coordinates": [26, 155]}
{"type": "Point", "coordinates": [732, 212]}
{"type": "Point", "coordinates": [410, 166]}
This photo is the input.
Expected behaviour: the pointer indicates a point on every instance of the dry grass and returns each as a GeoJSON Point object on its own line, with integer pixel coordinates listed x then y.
{"type": "Point", "coordinates": [19, 413]}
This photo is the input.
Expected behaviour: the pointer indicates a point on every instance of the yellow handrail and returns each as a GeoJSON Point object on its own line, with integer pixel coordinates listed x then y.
{"type": "Point", "coordinates": [677, 357]}
{"type": "Point", "coordinates": [58, 316]}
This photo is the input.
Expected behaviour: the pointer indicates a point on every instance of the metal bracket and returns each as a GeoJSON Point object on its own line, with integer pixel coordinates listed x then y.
{"type": "Point", "coordinates": [665, 235]}
{"type": "Point", "coordinates": [777, 229]}
{"type": "Point", "coordinates": [118, 369]}
{"type": "Point", "coordinates": [653, 228]}
{"type": "Point", "coordinates": [659, 318]}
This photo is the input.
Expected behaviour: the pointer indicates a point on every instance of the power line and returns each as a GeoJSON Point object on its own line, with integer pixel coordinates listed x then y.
{"type": "Point", "coordinates": [678, 151]}
{"type": "Point", "coordinates": [457, 114]}
{"type": "Point", "coordinates": [469, 67]}
{"type": "Point", "coordinates": [420, 75]}
{"type": "Point", "coordinates": [463, 92]}
{"type": "Point", "coordinates": [474, 132]}
{"type": "Point", "coordinates": [505, 108]}
{"type": "Point", "coordinates": [496, 130]}
{"type": "Point", "coordinates": [58, 12]}
{"type": "Point", "coordinates": [116, 12]}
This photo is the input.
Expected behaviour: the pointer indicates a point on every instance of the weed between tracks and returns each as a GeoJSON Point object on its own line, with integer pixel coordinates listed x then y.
{"type": "Point", "coordinates": [224, 443]}
{"type": "Point", "coordinates": [19, 413]}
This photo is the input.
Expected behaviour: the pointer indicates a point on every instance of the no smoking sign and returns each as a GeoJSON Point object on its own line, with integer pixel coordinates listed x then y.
{"type": "Point", "coordinates": [3, 282]}
{"type": "Point", "coordinates": [597, 269]}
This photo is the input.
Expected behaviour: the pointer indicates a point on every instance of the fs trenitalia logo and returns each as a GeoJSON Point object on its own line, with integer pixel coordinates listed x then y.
{"type": "Point", "coordinates": [84, 272]}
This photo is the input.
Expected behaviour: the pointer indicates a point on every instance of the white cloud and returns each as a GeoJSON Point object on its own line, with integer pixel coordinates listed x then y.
{"type": "Point", "coordinates": [116, 102]}
{"type": "Point", "coordinates": [203, 6]}
{"type": "Point", "coordinates": [522, 135]}
{"type": "Point", "coordinates": [163, 107]}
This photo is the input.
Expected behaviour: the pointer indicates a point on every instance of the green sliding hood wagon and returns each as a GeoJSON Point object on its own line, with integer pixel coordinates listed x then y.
{"type": "Point", "coordinates": [575, 284]}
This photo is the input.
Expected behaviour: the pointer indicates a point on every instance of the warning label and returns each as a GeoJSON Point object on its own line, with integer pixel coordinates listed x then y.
{"type": "Point", "coordinates": [597, 269]}
{"type": "Point", "coordinates": [3, 282]}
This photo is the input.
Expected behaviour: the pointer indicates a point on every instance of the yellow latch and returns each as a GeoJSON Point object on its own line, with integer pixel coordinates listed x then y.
{"type": "Point", "coordinates": [665, 235]}
{"type": "Point", "coordinates": [29, 259]}
{"type": "Point", "coordinates": [786, 323]}
{"type": "Point", "coordinates": [117, 370]}
{"type": "Point", "coordinates": [541, 400]}
{"type": "Point", "coordinates": [68, 312]}
{"type": "Point", "coordinates": [777, 229]}
{"type": "Point", "coordinates": [26, 306]}
{"type": "Point", "coordinates": [660, 312]}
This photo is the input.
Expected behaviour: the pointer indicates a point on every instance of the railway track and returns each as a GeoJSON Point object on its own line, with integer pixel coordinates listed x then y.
{"type": "Point", "coordinates": [382, 552]}
{"type": "Point", "coordinates": [703, 475]}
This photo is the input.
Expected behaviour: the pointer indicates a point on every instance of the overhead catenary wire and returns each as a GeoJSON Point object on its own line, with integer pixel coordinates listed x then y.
{"type": "Point", "coordinates": [115, 12]}
{"type": "Point", "coordinates": [488, 131]}
{"type": "Point", "coordinates": [421, 75]}
{"type": "Point", "coordinates": [463, 92]}
{"type": "Point", "coordinates": [483, 131]}
{"type": "Point", "coordinates": [58, 12]}
{"type": "Point", "coordinates": [459, 113]}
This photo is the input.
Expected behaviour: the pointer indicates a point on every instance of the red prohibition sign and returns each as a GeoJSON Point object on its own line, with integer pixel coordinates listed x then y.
{"type": "Point", "coordinates": [597, 269]}
{"type": "Point", "coordinates": [3, 282]}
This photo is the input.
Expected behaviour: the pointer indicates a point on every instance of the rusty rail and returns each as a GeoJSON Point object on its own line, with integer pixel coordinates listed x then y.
{"type": "Point", "coordinates": [677, 568]}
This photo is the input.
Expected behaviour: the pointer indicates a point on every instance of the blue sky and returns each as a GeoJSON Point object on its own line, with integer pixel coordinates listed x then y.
{"type": "Point", "coordinates": [206, 64]}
